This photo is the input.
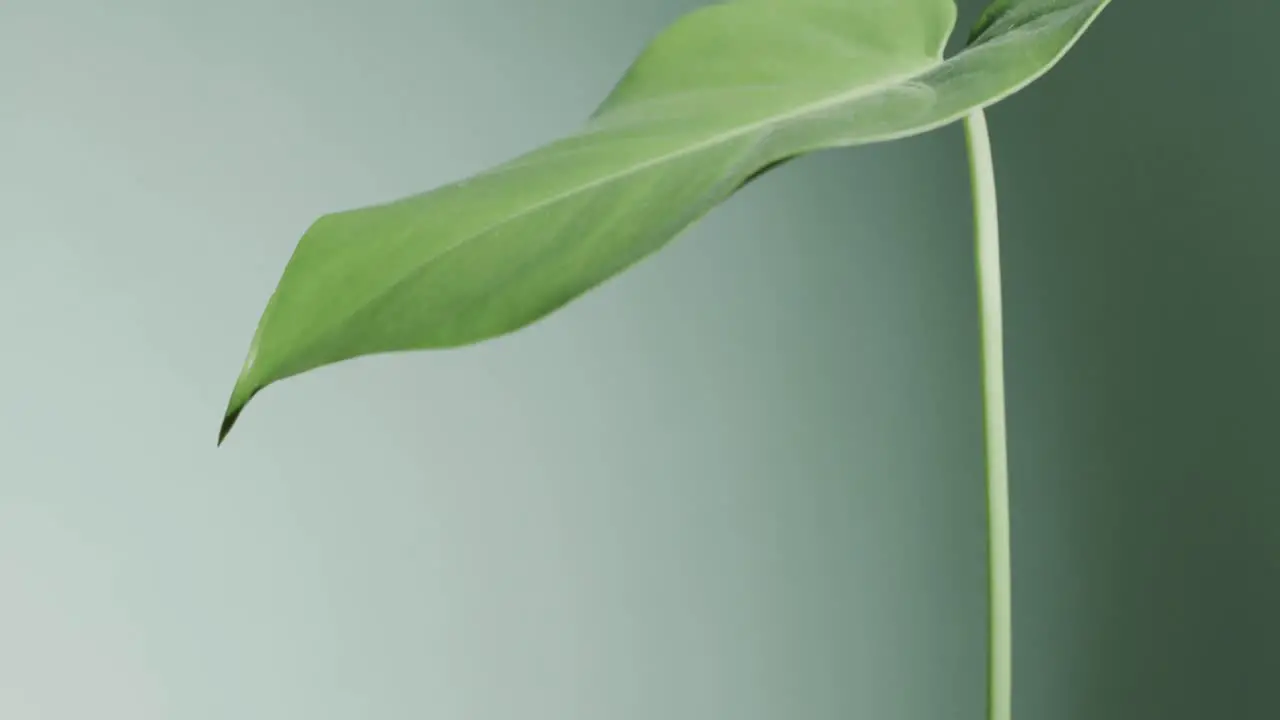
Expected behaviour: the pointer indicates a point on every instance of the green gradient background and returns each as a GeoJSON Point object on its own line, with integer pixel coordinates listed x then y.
{"type": "Point", "coordinates": [741, 481]}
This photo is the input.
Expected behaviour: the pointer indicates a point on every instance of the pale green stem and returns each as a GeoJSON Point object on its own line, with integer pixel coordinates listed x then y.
{"type": "Point", "coordinates": [999, 570]}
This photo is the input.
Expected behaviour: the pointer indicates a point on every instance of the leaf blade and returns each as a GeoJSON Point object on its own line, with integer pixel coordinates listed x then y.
{"type": "Point", "coordinates": [489, 255]}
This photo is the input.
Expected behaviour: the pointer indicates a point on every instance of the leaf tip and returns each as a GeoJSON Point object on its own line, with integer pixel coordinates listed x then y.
{"type": "Point", "coordinates": [234, 408]}
{"type": "Point", "coordinates": [244, 391]}
{"type": "Point", "coordinates": [228, 421]}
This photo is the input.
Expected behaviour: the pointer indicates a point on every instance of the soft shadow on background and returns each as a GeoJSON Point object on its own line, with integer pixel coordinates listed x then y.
{"type": "Point", "coordinates": [741, 481]}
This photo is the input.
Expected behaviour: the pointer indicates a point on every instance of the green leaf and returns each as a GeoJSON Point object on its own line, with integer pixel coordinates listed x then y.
{"type": "Point", "coordinates": [725, 93]}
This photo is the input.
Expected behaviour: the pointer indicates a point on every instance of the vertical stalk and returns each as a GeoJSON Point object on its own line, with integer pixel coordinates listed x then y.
{"type": "Point", "coordinates": [999, 562]}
